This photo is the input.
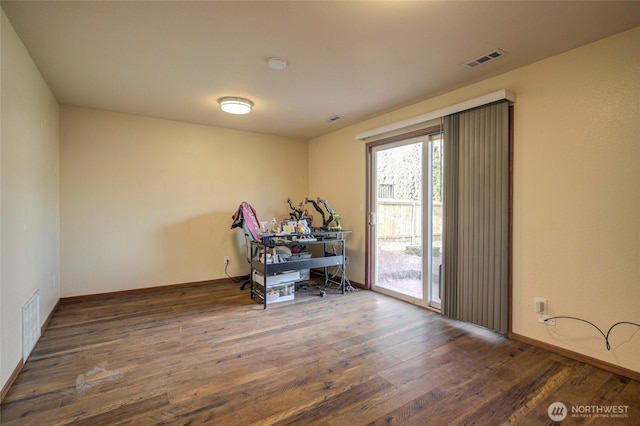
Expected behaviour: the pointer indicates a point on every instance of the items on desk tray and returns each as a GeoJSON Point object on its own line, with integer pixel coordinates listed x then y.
{"type": "Point", "coordinates": [292, 227]}
{"type": "Point", "coordinates": [326, 221]}
{"type": "Point", "coordinates": [280, 254]}
{"type": "Point", "coordinates": [286, 227]}
{"type": "Point", "coordinates": [298, 214]}
{"type": "Point", "coordinates": [275, 226]}
{"type": "Point", "coordinates": [332, 216]}
{"type": "Point", "coordinates": [275, 254]}
{"type": "Point", "coordinates": [301, 222]}
{"type": "Point", "coordinates": [295, 214]}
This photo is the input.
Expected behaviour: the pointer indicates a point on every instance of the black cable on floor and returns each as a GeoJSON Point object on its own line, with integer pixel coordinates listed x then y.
{"type": "Point", "coordinates": [606, 336]}
{"type": "Point", "coordinates": [229, 276]}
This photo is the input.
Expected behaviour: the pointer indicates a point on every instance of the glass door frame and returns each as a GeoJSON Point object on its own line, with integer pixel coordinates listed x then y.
{"type": "Point", "coordinates": [370, 234]}
{"type": "Point", "coordinates": [431, 139]}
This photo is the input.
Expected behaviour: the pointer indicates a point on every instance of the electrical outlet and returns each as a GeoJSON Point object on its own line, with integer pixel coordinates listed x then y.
{"type": "Point", "coordinates": [227, 259]}
{"type": "Point", "coordinates": [545, 319]}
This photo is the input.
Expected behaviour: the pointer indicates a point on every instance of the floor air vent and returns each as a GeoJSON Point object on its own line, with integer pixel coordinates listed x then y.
{"type": "Point", "coordinates": [487, 57]}
{"type": "Point", "coordinates": [30, 325]}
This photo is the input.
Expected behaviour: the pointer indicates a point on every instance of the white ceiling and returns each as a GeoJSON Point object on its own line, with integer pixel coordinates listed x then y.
{"type": "Point", "coordinates": [354, 59]}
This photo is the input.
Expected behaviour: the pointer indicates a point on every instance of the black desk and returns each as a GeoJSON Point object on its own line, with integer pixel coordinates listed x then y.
{"type": "Point", "coordinates": [336, 257]}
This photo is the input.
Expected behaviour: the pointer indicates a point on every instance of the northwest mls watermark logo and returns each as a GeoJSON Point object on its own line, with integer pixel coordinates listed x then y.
{"type": "Point", "coordinates": [557, 411]}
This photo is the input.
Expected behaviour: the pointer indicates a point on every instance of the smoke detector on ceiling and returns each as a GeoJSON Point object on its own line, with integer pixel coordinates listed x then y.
{"type": "Point", "coordinates": [277, 63]}
{"type": "Point", "coordinates": [483, 59]}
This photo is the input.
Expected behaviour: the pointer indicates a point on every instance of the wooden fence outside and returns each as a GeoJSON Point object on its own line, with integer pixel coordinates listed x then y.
{"type": "Point", "coordinates": [399, 221]}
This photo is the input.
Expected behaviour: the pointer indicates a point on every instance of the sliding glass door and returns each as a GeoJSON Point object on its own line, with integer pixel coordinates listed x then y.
{"type": "Point", "coordinates": [405, 231]}
{"type": "Point", "coordinates": [435, 210]}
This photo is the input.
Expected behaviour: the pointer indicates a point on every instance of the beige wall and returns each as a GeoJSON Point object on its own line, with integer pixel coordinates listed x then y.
{"type": "Point", "coordinates": [576, 235]}
{"type": "Point", "coordinates": [148, 202]}
{"type": "Point", "coordinates": [29, 230]}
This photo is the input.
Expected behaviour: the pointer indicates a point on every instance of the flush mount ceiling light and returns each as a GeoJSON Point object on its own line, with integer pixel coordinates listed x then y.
{"type": "Point", "coordinates": [234, 105]}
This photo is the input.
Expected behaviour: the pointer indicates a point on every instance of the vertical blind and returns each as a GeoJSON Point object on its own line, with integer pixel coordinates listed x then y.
{"type": "Point", "coordinates": [476, 216]}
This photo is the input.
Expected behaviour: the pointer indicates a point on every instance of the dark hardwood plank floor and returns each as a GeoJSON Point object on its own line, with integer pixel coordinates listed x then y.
{"type": "Point", "coordinates": [207, 353]}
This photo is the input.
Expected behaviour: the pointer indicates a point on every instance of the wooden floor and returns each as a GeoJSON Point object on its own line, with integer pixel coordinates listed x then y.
{"type": "Point", "coordinates": [209, 354]}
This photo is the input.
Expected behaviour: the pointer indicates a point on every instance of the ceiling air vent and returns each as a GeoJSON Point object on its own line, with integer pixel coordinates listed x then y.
{"type": "Point", "coordinates": [333, 118]}
{"type": "Point", "coordinates": [487, 57]}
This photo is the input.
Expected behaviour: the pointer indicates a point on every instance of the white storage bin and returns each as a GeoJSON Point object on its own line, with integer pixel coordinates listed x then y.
{"type": "Point", "coordinates": [277, 293]}
{"type": "Point", "coordinates": [272, 280]}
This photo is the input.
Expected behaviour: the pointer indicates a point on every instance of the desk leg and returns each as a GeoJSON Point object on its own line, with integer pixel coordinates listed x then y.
{"type": "Point", "coordinates": [326, 270]}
